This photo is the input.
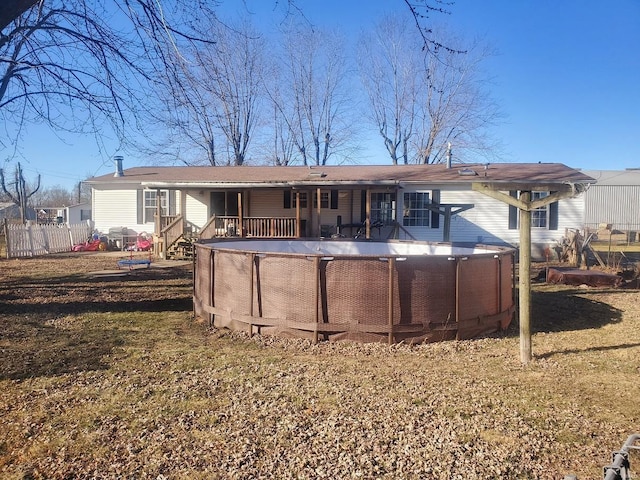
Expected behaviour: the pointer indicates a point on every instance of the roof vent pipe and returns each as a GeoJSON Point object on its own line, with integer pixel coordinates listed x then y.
{"type": "Point", "coordinates": [449, 155]}
{"type": "Point", "coordinates": [118, 161]}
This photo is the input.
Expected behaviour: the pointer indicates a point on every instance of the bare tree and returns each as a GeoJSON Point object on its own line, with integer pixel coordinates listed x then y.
{"type": "Point", "coordinates": [422, 100]}
{"type": "Point", "coordinates": [455, 108]}
{"type": "Point", "coordinates": [18, 191]}
{"type": "Point", "coordinates": [82, 66]}
{"type": "Point", "coordinates": [389, 65]}
{"type": "Point", "coordinates": [212, 95]}
{"type": "Point", "coordinates": [311, 97]}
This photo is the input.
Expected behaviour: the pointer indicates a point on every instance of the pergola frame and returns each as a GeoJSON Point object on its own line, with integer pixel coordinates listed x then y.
{"type": "Point", "coordinates": [525, 206]}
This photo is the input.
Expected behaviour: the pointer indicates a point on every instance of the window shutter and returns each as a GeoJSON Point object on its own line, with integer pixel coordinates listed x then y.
{"type": "Point", "coordinates": [334, 199]}
{"type": "Point", "coordinates": [140, 206]}
{"type": "Point", "coordinates": [435, 216]}
{"type": "Point", "coordinates": [513, 212]}
{"type": "Point", "coordinates": [553, 215]}
{"type": "Point", "coordinates": [287, 199]}
{"type": "Point", "coordinates": [363, 205]}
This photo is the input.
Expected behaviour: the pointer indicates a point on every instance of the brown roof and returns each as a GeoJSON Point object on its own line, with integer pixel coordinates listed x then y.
{"type": "Point", "coordinates": [506, 173]}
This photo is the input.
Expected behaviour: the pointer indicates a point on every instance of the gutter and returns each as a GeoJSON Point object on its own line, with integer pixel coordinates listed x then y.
{"type": "Point", "coordinates": [240, 185]}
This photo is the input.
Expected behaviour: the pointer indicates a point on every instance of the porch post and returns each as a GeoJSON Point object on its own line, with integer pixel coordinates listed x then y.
{"type": "Point", "coordinates": [240, 219]}
{"type": "Point", "coordinates": [162, 251]}
{"type": "Point", "coordinates": [297, 192]}
{"type": "Point", "coordinates": [368, 210]}
{"type": "Point", "coordinates": [318, 210]}
{"type": "Point", "coordinates": [158, 212]}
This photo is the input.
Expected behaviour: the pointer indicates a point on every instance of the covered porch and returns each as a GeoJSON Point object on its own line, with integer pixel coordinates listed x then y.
{"type": "Point", "coordinates": [287, 212]}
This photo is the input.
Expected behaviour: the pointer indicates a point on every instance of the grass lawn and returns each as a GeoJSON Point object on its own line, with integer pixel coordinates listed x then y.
{"type": "Point", "coordinates": [109, 376]}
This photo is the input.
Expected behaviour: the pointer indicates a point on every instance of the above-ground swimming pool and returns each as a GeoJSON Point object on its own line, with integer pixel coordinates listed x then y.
{"type": "Point", "coordinates": [389, 291]}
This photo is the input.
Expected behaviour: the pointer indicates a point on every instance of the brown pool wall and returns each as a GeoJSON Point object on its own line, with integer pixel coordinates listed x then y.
{"type": "Point", "coordinates": [366, 298]}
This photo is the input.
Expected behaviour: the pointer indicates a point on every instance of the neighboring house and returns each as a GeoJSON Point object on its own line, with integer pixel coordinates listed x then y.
{"type": "Point", "coordinates": [411, 201]}
{"type": "Point", "coordinates": [613, 201]}
{"type": "Point", "coordinates": [11, 211]}
{"type": "Point", "coordinates": [71, 215]}
{"type": "Point", "coordinates": [79, 213]}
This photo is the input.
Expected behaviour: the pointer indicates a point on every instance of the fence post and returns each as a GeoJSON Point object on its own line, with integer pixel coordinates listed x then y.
{"type": "Point", "coordinates": [7, 241]}
{"type": "Point", "coordinates": [70, 237]}
{"type": "Point", "coordinates": [30, 236]}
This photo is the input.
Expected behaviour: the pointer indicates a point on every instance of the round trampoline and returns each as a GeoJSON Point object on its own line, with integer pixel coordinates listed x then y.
{"type": "Point", "coordinates": [368, 291]}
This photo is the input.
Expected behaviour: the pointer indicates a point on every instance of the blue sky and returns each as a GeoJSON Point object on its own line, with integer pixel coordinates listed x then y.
{"type": "Point", "coordinates": [566, 75]}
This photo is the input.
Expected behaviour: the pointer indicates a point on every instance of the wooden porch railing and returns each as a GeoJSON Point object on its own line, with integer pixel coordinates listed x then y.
{"type": "Point", "coordinates": [171, 233]}
{"type": "Point", "coordinates": [269, 227]}
{"type": "Point", "coordinates": [166, 220]}
{"type": "Point", "coordinates": [262, 227]}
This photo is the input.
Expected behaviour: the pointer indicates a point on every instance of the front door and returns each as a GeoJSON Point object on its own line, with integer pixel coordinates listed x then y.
{"type": "Point", "coordinates": [224, 204]}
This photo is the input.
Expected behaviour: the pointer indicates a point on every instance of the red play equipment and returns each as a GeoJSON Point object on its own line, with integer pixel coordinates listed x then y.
{"type": "Point", "coordinates": [93, 245]}
{"type": "Point", "coordinates": [143, 243]}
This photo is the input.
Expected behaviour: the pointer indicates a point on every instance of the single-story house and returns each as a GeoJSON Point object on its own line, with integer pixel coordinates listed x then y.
{"type": "Point", "coordinates": [423, 202]}
{"type": "Point", "coordinates": [71, 215]}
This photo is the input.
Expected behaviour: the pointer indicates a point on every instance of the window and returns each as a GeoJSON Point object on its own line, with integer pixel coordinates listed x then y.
{"type": "Point", "coordinates": [303, 200]}
{"type": "Point", "coordinates": [151, 204]}
{"type": "Point", "coordinates": [542, 217]}
{"type": "Point", "coordinates": [324, 200]}
{"type": "Point", "coordinates": [328, 199]}
{"type": "Point", "coordinates": [539, 215]}
{"type": "Point", "coordinates": [416, 212]}
{"type": "Point", "coordinates": [383, 207]}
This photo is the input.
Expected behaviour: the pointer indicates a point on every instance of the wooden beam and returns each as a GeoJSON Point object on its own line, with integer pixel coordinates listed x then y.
{"type": "Point", "coordinates": [519, 203]}
{"type": "Point", "coordinates": [448, 210]}
{"type": "Point", "coordinates": [524, 316]}
{"type": "Point", "coordinates": [530, 187]}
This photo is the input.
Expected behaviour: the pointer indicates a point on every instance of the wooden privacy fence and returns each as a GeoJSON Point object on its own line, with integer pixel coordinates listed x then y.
{"type": "Point", "coordinates": [31, 240]}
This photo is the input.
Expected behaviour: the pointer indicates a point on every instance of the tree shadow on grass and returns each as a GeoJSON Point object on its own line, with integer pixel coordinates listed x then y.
{"type": "Point", "coordinates": [567, 310]}
{"type": "Point", "coordinates": [34, 348]}
{"type": "Point", "coordinates": [41, 329]}
{"type": "Point", "coordinates": [137, 291]}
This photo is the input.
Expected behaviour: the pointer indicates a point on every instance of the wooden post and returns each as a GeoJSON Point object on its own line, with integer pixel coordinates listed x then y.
{"type": "Point", "coordinates": [392, 264]}
{"type": "Point", "coordinates": [316, 296]}
{"type": "Point", "coordinates": [368, 213]}
{"type": "Point", "coordinates": [525, 280]}
{"type": "Point", "coordinates": [446, 233]}
{"type": "Point", "coordinates": [158, 212]}
{"type": "Point", "coordinates": [298, 216]}
{"type": "Point", "coordinates": [7, 237]}
{"type": "Point", "coordinates": [240, 219]}
{"type": "Point", "coordinates": [318, 210]}
{"type": "Point", "coordinates": [252, 259]}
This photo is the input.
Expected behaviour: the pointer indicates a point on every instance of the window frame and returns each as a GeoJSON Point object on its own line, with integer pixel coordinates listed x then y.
{"type": "Point", "coordinates": [146, 209]}
{"type": "Point", "coordinates": [424, 219]}
{"type": "Point", "coordinates": [541, 213]}
{"type": "Point", "coordinates": [388, 199]}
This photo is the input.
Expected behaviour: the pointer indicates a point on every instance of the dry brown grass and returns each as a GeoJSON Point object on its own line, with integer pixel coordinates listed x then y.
{"type": "Point", "coordinates": [112, 378]}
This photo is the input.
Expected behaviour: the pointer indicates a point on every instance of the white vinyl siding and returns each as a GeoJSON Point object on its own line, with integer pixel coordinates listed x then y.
{"type": "Point", "coordinates": [196, 206]}
{"type": "Point", "coordinates": [116, 208]}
